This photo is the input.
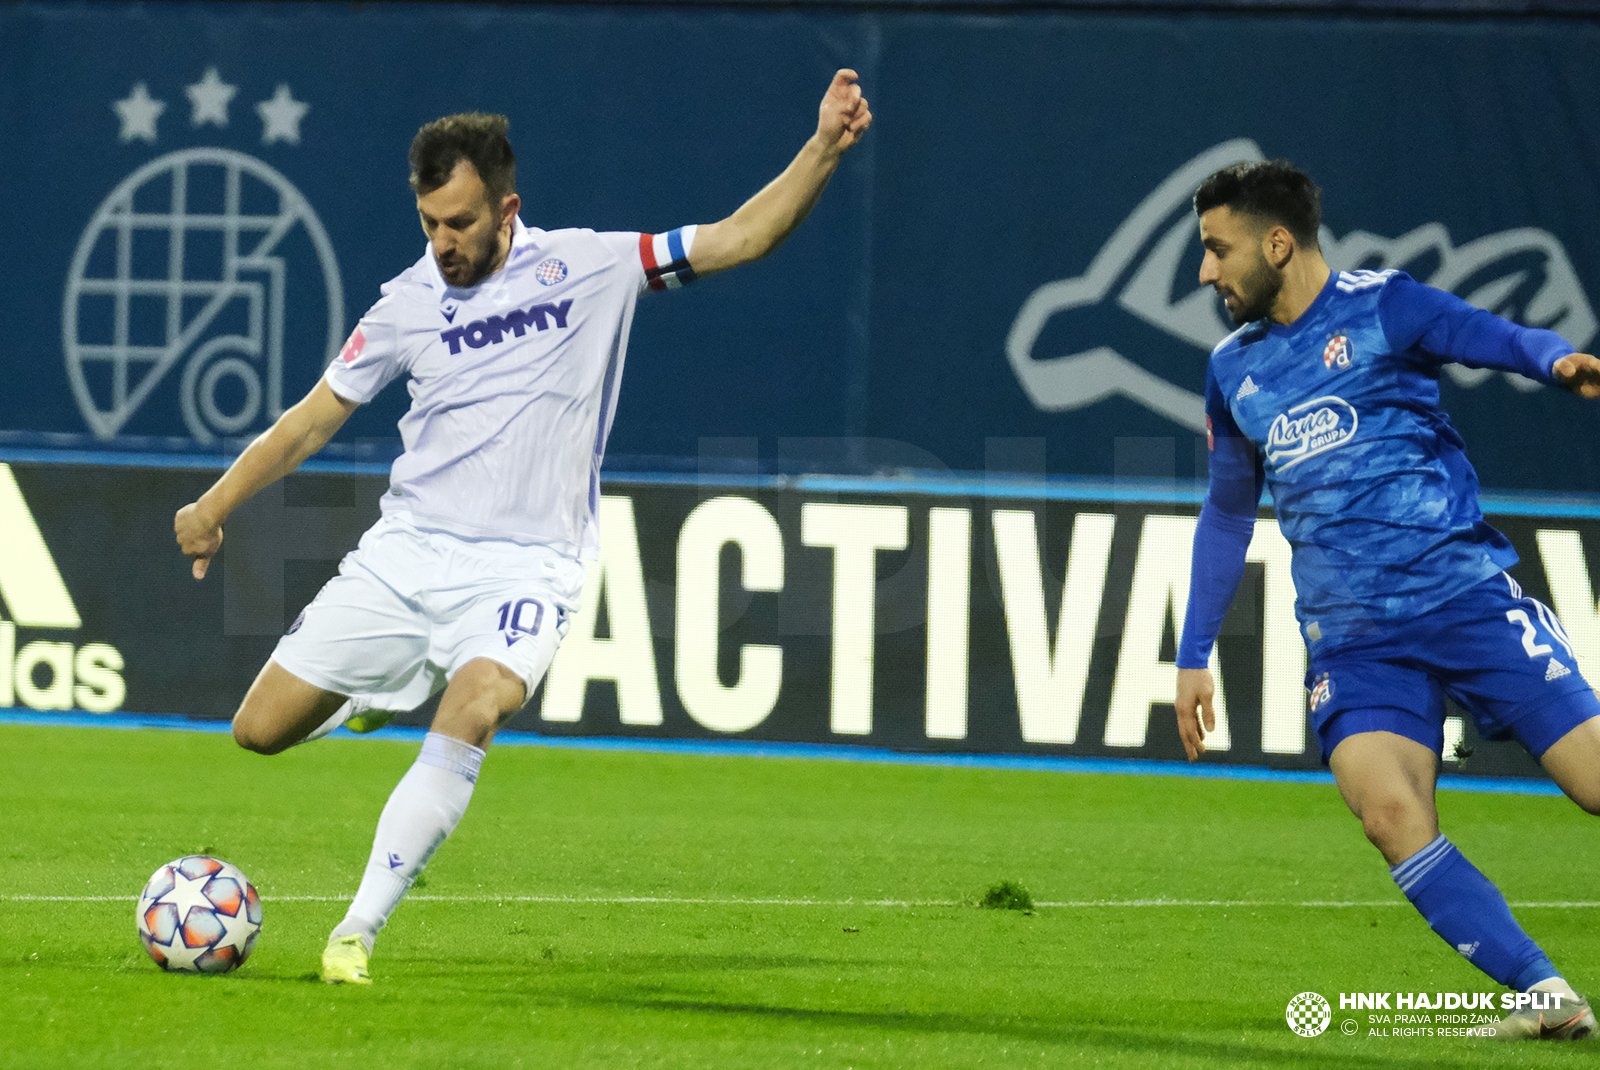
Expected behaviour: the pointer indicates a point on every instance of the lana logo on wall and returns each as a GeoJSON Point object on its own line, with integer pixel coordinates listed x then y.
{"type": "Point", "coordinates": [1523, 274]}
{"type": "Point", "coordinates": [195, 265]}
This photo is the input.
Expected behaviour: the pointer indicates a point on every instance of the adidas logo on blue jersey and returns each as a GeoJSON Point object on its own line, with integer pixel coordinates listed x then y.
{"type": "Point", "coordinates": [1246, 388]}
{"type": "Point", "coordinates": [1556, 671]}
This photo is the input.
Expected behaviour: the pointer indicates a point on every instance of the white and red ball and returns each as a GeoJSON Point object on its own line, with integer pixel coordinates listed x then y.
{"type": "Point", "coordinates": [199, 914]}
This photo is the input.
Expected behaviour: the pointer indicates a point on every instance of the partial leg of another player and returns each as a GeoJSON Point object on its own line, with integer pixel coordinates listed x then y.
{"type": "Point", "coordinates": [424, 808]}
{"type": "Point", "coordinates": [1388, 781]}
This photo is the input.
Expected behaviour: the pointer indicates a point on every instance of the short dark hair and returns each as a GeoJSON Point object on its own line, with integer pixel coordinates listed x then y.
{"type": "Point", "coordinates": [474, 136]}
{"type": "Point", "coordinates": [1274, 191]}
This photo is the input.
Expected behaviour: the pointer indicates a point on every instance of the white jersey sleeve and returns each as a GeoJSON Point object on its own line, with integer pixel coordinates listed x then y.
{"type": "Point", "coordinates": [370, 359]}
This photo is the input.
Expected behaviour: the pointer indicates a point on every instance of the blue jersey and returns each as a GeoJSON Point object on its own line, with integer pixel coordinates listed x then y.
{"type": "Point", "coordinates": [1338, 413]}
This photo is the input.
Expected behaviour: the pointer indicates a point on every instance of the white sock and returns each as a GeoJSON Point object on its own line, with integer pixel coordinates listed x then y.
{"type": "Point", "coordinates": [1555, 984]}
{"type": "Point", "coordinates": [420, 814]}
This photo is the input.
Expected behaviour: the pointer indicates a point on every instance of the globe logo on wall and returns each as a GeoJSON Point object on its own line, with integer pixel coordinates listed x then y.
{"type": "Point", "coordinates": [162, 278]}
{"type": "Point", "coordinates": [194, 276]}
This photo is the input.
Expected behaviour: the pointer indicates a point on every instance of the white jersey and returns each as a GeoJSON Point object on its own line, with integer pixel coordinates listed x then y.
{"type": "Point", "coordinates": [513, 382]}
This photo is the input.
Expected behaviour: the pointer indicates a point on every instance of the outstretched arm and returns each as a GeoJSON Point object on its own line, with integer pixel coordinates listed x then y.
{"type": "Point", "coordinates": [298, 433]}
{"type": "Point", "coordinates": [1443, 324]}
{"type": "Point", "coordinates": [765, 220]}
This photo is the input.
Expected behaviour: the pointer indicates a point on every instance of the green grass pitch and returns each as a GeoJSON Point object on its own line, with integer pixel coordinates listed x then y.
{"type": "Point", "coordinates": [624, 909]}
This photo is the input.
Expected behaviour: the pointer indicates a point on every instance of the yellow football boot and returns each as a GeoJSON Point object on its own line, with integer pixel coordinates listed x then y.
{"type": "Point", "coordinates": [344, 962]}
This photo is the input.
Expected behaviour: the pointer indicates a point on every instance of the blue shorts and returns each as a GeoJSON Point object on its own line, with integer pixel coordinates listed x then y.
{"type": "Point", "coordinates": [1503, 657]}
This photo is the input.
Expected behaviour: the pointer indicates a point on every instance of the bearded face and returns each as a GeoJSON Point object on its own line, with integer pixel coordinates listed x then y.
{"type": "Point", "coordinates": [464, 227]}
{"type": "Point", "coordinates": [1252, 297]}
{"type": "Point", "coordinates": [1236, 266]}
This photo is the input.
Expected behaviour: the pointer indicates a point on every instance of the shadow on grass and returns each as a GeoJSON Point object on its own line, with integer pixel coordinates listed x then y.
{"type": "Point", "coordinates": [1161, 1041]}
{"type": "Point", "coordinates": [639, 964]}
{"type": "Point", "coordinates": [1161, 1045]}
{"type": "Point", "coordinates": [570, 981]}
{"type": "Point", "coordinates": [537, 969]}
{"type": "Point", "coordinates": [1171, 1036]}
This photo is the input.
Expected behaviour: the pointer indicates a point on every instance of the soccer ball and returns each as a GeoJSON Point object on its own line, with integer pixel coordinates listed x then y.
{"type": "Point", "coordinates": [199, 914]}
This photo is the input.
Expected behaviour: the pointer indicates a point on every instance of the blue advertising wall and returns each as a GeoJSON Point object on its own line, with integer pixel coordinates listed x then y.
{"type": "Point", "coordinates": [946, 617]}
{"type": "Point", "coordinates": [1002, 275]}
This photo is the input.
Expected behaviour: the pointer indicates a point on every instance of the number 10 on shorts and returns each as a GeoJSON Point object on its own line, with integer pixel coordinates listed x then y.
{"type": "Point", "coordinates": [519, 618]}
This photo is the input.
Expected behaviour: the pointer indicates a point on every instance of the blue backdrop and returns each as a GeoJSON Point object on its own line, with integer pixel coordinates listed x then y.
{"type": "Point", "coordinates": [202, 198]}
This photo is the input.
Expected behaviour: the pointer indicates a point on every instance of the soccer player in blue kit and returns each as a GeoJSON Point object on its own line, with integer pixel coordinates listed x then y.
{"type": "Point", "coordinates": [1328, 393]}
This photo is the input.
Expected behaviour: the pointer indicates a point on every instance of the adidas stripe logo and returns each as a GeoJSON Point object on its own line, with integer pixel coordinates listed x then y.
{"type": "Point", "coordinates": [1351, 281]}
{"type": "Point", "coordinates": [1556, 671]}
{"type": "Point", "coordinates": [30, 583]}
{"type": "Point", "coordinates": [33, 594]}
{"type": "Point", "coordinates": [1246, 388]}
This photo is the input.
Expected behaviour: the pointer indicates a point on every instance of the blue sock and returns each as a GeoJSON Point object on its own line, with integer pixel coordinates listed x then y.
{"type": "Point", "coordinates": [1463, 907]}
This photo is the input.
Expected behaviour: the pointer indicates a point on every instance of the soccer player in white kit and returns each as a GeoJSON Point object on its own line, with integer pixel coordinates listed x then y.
{"type": "Point", "coordinates": [514, 340]}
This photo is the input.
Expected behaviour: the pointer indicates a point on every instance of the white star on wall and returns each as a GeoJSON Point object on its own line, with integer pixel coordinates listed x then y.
{"type": "Point", "coordinates": [139, 114]}
{"type": "Point", "coordinates": [281, 116]}
{"type": "Point", "coordinates": [209, 97]}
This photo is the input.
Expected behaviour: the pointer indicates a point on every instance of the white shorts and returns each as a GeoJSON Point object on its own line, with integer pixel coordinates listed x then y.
{"type": "Point", "coordinates": [410, 607]}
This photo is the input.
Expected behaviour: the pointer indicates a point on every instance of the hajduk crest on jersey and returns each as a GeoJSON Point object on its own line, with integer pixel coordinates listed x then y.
{"type": "Point", "coordinates": [549, 272]}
